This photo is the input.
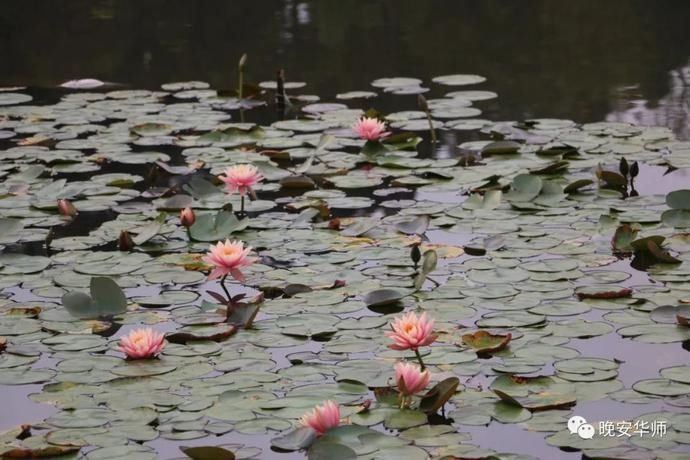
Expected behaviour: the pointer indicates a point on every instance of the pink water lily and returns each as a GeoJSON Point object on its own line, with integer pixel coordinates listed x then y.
{"type": "Point", "coordinates": [241, 178]}
{"type": "Point", "coordinates": [227, 259]}
{"type": "Point", "coordinates": [322, 418]}
{"type": "Point", "coordinates": [410, 332]}
{"type": "Point", "coordinates": [142, 343]}
{"type": "Point", "coordinates": [410, 379]}
{"type": "Point", "coordinates": [370, 129]}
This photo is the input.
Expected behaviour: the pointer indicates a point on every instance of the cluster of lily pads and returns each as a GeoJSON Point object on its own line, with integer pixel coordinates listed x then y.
{"type": "Point", "coordinates": [518, 243]}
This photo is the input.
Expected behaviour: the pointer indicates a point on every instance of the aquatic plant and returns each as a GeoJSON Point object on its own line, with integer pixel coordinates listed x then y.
{"type": "Point", "coordinates": [142, 343]}
{"type": "Point", "coordinates": [410, 379]}
{"type": "Point", "coordinates": [241, 179]}
{"type": "Point", "coordinates": [322, 418]}
{"type": "Point", "coordinates": [227, 258]}
{"type": "Point", "coordinates": [409, 332]}
{"type": "Point", "coordinates": [370, 129]}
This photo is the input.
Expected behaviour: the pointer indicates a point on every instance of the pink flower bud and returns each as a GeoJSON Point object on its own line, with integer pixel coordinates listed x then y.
{"type": "Point", "coordinates": [66, 208]}
{"type": "Point", "coordinates": [187, 217]}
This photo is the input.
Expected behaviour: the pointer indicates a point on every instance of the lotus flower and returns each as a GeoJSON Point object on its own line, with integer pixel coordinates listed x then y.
{"type": "Point", "coordinates": [227, 259]}
{"type": "Point", "coordinates": [322, 418]}
{"type": "Point", "coordinates": [187, 217]}
{"type": "Point", "coordinates": [410, 378]}
{"type": "Point", "coordinates": [410, 332]}
{"type": "Point", "coordinates": [241, 178]}
{"type": "Point", "coordinates": [370, 129]}
{"type": "Point", "coordinates": [66, 208]}
{"type": "Point", "coordinates": [142, 343]}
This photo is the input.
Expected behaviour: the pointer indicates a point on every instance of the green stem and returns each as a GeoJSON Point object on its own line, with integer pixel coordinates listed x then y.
{"type": "Point", "coordinates": [222, 284]}
{"type": "Point", "coordinates": [431, 127]}
{"type": "Point", "coordinates": [242, 204]}
{"type": "Point", "coordinates": [241, 82]}
{"type": "Point", "coordinates": [419, 358]}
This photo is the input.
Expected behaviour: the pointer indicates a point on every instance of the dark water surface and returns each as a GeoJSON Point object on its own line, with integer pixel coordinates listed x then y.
{"type": "Point", "coordinates": [623, 60]}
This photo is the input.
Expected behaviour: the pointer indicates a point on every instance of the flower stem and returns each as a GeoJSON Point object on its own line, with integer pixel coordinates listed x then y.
{"type": "Point", "coordinates": [242, 204]}
{"type": "Point", "coordinates": [240, 85]}
{"type": "Point", "coordinates": [419, 358]}
{"type": "Point", "coordinates": [431, 128]}
{"type": "Point", "coordinates": [222, 284]}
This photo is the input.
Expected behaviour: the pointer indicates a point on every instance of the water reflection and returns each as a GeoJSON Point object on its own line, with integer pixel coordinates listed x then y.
{"type": "Point", "coordinates": [533, 55]}
{"type": "Point", "coordinates": [671, 110]}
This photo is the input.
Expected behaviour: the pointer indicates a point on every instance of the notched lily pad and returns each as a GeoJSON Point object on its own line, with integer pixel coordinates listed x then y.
{"type": "Point", "coordinates": [485, 342]}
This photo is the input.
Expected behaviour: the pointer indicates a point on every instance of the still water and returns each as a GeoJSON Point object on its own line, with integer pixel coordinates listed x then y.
{"type": "Point", "coordinates": [618, 60]}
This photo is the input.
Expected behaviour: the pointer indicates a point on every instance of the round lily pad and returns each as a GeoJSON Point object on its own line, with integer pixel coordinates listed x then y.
{"type": "Point", "coordinates": [459, 79]}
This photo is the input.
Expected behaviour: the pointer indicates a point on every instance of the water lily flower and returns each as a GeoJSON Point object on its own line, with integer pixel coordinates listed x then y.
{"type": "Point", "coordinates": [322, 418]}
{"type": "Point", "coordinates": [227, 259]}
{"type": "Point", "coordinates": [410, 378]}
{"type": "Point", "coordinates": [187, 217]}
{"type": "Point", "coordinates": [66, 208]}
{"type": "Point", "coordinates": [410, 331]}
{"type": "Point", "coordinates": [370, 129]}
{"type": "Point", "coordinates": [241, 178]}
{"type": "Point", "coordinates": [142, 343]}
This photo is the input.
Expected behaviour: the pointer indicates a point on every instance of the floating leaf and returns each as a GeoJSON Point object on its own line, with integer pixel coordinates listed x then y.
{"type": "Point", "coordinates": [575, 186]}
{"type": "Point", "coordinates": [208, 453]}
{"type": "Point", "coordinates": [525, 187]}
{"type": "Point", "coordinates": [106, 299]}
{"type": "Point", "coordinates": [325, 450]}
{"type": "Point", "coordinates": [603, 292]}
{"type": "Point", "coordinates": [500, 148]}
{"type": "Point", "coordinates": [381, 297]}
{"type": "Point", "coordinates": [216, 333]}
{"type": "Point", "coordinates": [218, 227]}
{"type": "Point", "coordinates": [484, 342]}
{"type": "Point", "coordinates": [297, 439]}
{"type": "Point", "coordinates": [416, 226]}
{"type": "Point", "coordinates": [677, 218]}
{"type": "Point", "coordinates": [459, 79]}
{"type": "Point", "coordinates": [678, 199]}
{"type": "Point", "coordinates": [438, 395]}
{"type": "Point", "coordinates": [623, 237]}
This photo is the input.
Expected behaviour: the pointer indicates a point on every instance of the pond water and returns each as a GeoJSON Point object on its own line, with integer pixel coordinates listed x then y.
{"type": "Point", "coordinates": [587, 60]}
{"type": "Point", "coordinates": [528, 218]}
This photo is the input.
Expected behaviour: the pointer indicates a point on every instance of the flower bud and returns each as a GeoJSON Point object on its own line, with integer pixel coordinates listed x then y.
{"type": "Point", "coordinates": [187, 217]}
{"type": "Point", "coordinates": [422, 103]}
{"type": "Point", "coordinates": [634, 170]}
{"type": "Point", "coordinates": [623, 166]}
{"type": "Point", "coordinates": [125, 242]}
{"type": "Point", "coordinates": [66, 208]}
